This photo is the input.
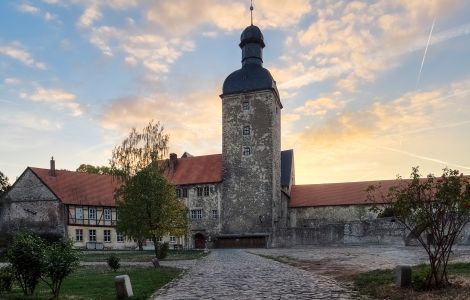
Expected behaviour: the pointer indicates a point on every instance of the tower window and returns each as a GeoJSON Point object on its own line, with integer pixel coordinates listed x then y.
{"type": "Point", "coordinates": [246, 151]}
{"type": "Point", "coordinates": [246, 105]}
{"type": "Point", "coordinates": [246, 130]}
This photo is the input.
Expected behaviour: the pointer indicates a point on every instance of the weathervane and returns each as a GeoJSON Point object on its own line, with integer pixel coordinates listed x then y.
{"type": "Point", "coordinates": [251, 8]}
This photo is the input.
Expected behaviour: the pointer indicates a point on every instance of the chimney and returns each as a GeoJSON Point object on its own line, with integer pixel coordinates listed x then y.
{"type": "Point", "coordinates": [52, 170]}
{"type": "Point", "coordinates": [173, 161]}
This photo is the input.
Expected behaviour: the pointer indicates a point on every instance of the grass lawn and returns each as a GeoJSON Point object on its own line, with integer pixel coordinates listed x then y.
{"type": "Point", "coordinates": [380, 284]}
{"type": "Point", "coordinates": [140, 256]}
{"type": "Point", "coordinates": [98, 283]}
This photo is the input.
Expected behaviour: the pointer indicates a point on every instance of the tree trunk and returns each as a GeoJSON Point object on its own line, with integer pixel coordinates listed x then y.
{"type": "Point", "coordinates": [140, 243]}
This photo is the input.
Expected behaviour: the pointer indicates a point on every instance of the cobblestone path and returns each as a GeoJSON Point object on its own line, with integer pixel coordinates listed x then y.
{"type": "Point", "coordinates": [235, 274]}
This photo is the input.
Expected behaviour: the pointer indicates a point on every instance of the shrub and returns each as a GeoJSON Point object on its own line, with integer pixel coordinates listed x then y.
{"type": "Point", "coordinates": [162, 252]}
{"type": "Point", "coordinates": [419, 277]}
{"type": "Point", "coordinates": [113, 262]}
{"type": "Point", "coordinates": [60, 260]}
{"type": "Point", "coordinates": [6, 279]}
{"type": "Point", "coordinates": [26, 256]}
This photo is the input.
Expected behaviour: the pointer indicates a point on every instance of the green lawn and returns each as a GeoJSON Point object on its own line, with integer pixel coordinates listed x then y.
{"type": "Point", "coordinates": [140, 256]}
{"type": "Point", "coordinates": [381, 284]}
{"type": "Point", "coordinates": [98, 283]}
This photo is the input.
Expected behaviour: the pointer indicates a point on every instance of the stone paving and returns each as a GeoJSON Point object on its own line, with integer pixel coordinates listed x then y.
{"type": "Point", "coordinates": [364, 257]}
{"type": "Point", "coordinates": [236, 274]}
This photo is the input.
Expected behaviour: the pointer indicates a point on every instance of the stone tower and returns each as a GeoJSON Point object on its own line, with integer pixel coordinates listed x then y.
{"type": "Point", "coordinates": [251, 148]}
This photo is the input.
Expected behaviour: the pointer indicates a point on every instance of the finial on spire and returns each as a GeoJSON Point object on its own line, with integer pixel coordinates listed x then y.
{"type": "Point", "coordinates": [251, 9]}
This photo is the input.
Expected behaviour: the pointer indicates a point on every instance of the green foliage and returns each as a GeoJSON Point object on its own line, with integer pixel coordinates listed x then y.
{"type": "Point", "coordinates": [60, 261]}
{"type": "Point", "coordinates": [148, 207]}
{"type": "Point", "coordinates": [162, 251]}
{"type": "Point", "coordinates": [387, 212]}
{"type": "Point", "coordinates": [435, 210]}
{"type": "Point", "coordinates": [139, 150]}
{"type": "Point", "coordinates": [419, 277]}
{"type": "Point", "coordinates": [113, 262]}
{"type": "Point", "coordinates": [4, 184]}
{"type": "Point", "coordinates": [26, 256]}
{"type": "Point", "coordinates": [101, 170]}
{"type": "Point", "coordinates": [368, 282]}
{"type": "Point", "coordinates": [6, 279]}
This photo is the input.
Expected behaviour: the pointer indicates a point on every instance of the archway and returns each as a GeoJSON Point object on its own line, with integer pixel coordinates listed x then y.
{"type": "Point", "coordinates": [199, 241]}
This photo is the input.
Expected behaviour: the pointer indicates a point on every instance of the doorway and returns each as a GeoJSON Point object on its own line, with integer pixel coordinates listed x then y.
{"type": "Point", "coordinates": [199, 241]}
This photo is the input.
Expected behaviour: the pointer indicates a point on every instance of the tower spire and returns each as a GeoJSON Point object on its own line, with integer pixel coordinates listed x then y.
{"type": "Point", "coordinates": [251, 11]}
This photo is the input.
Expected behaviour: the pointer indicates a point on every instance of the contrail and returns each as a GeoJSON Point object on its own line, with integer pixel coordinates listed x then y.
{"type": "Point", "coordinates": [425, 51]}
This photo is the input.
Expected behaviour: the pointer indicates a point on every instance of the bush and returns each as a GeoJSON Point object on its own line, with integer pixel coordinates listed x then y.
{"type": "Point", "coordinates": [26, 256]}
{"type": "Point", "coordinates": [60, 260]}
{"type": "Point", "coordinates": [162, 251]}
{"type": "Point", "coordinates": [6, 279]}
{"type": "Point", "coordinates": [113, 262]}
{"type": "Point", "coordinates": [419, 277]}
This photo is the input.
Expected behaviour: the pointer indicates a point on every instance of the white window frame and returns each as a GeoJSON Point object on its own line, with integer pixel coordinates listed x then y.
{"type": "Point", "coordinates": [119, 237]}
{"type": "Point", "coordinates": [207, 191]}
{"type": "Point", "coordinates": [92, 235]}
{"type": "Point", "coordinates": [246, 151]}
{"type": "Point", "coordinates": [199, 191]}
{"type": "Point", "coordinates": [108, 214]}
{"type": "Point", "coordinates": [107, 236]}
{"type": "Point", "coordinates": [172, 239]}
{"type": "Point", "coordinates": [79, 213]}
{"type": "Point", "coordinates": [79, 235]}
{"type": "Point", "coordinates": [246, 130]}
{"type": "Point", "coordinates": [246, 105]}
{"type": "Point", "coordinates": [196, 214]}
{"type": "Point", "coordinates": [215, 214]}
{"type": "Point", "coordinates": [92, 213]}
{"type": "Point", "coordinates": [185, 193]}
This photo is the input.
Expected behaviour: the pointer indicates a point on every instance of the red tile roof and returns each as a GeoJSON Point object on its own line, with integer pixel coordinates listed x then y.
{"type": "Point", "coordinates": [326, 194]}
{"type": "Point", "coordinates": [197, 169]}
{"type": "Point", "coordinates": [80, 188]}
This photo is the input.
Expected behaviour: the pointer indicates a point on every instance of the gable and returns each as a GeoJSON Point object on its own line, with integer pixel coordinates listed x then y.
{"type": "Point", "coordinates": [29, 187]}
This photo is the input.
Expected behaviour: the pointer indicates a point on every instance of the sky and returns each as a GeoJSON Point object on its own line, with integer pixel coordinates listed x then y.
{"type": "Point", "coordinates": [369, 88]}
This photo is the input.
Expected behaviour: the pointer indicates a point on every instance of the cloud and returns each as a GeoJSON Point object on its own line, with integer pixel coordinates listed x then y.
{"type": "Point", "coordinates": [90, 15]}
{"type": "Point", "coordinates": [28, 8]}
{"type": "Point", "coordinates": [17, 52]}
{"type": "Point", "coordinates": [93, 10]}
{"type": "Point", "coordinates": [193, 122]}
{"type": "Point", "coordinates": [11, 81]}
{"type": "Point", "coordinates": [181, 16]}
{"type": "Point", "coordinates": [354, 41]}
{"type": "Point", "coordinates": [59, 98]}
{"type": "Point", "coordinates": [318, 107]}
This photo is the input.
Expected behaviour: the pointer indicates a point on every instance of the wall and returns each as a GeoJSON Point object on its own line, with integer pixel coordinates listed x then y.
{"type": "Point", "coordinates": [208, 226]}
{"type": "Point", "coordinates": [251, 196]}
{"type": "Point", "coordinates": [31, 204]}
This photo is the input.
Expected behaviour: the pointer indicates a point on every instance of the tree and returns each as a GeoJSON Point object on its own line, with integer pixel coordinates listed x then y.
{"type": "Point", "coordinates": [101, 170]}
{"type": "Point", "coordinates": [60, 260]}
{"type": "Point", "coordinates": [140, 149]}
{"type": "Point", "coordinates": [149, 208]}
{"type": "Point", "coordinates": [4, 184]}
{"type": "Point", "coordinates": [26, 256]}
{"type": "Point", "coordinates": [434, 210]}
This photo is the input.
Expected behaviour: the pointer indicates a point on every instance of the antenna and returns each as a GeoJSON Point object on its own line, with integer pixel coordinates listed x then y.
{"type": "Point", "coordinates": [251, 9]}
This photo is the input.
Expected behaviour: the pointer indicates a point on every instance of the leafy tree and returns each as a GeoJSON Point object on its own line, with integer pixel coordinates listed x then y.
{"type": "Point", "coordinates": [60, 260]}
{"type": "Point", "coordinates": [149, 208]}
{"type": "Point", "coordinates": [139, 149]}
{"type": "Point", "coordinates": [435, 210]}
{"type": "Point", "coordinates": [102, 170]}
{"type": "Point", "coordinates": [26, 256]}
{"type": "Point", "coordinates": [113, 262]}
{"type": "Point", "coordinates": [4, 184]}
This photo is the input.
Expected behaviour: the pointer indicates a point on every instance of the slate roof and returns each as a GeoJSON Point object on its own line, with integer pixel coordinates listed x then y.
{"type": "Point", "coordinates": [197, 169]}
{"type": "Point", "coordinates": [79, 188]}
{"type": "Point", "coordinates": [287, 157]}
{"type": "Point", "coordinates": [330, 194]}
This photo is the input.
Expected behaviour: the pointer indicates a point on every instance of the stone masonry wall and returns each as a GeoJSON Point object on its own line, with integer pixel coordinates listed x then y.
{"type": "Point", "coordinates": [31, 204]}
{"type": "Point", "coordinates": [251, 187]}
{"type": "Point", "coordinates": [207, 225]}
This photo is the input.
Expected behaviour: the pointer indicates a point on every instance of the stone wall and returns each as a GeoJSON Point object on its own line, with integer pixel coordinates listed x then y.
{"type": "Point", "coordinates": [207, 225]}
{"type": "Point", "coordinates": [32, 205]}
{"type": "Point", "coordinates": [251, 196]}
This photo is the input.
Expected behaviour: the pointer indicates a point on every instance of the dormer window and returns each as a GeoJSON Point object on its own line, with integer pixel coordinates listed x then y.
{"type": "Point", "coordinates": [246, 130]}
{"type": "Point", "coordinates": [246, 105]}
